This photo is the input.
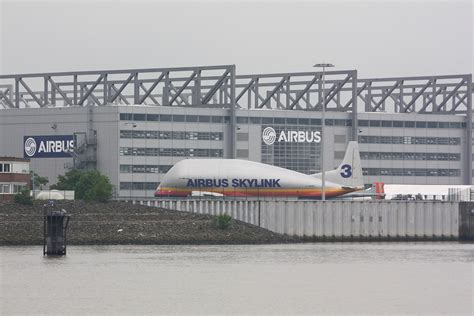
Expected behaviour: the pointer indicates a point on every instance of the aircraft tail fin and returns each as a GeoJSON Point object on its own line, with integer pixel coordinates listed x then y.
{"type": "Point", "coordinates": [349, 172]}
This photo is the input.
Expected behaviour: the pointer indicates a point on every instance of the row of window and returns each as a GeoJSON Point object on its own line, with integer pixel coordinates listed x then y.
{"type": "Point", "coordinates": [288, 121]}
{"type": "Point", "coordinates": [139, 185]}
{"type": "Point", "coordinates": [173, 118]}
{"type": "Point", "coordinates": [411, 124]}
{"type": "Point", "coordinates": [11, 188]}
{"type": "Point", "coordinates": [171, 152]}
{"type": "Point", "coordinates": [405, 172]}
{"type": "Point", "coordinates": [5, 167]}
{"type": "Point", "coordinates": [171, 135]}
{"type": "Point", "coordinates": [291, 121]}
{"type": "Point", "coordinates": [409, 140]}
{"type": "Point", "coordinates": [145, 168]}
{"type": "Point", "coordinates": [409, 156]}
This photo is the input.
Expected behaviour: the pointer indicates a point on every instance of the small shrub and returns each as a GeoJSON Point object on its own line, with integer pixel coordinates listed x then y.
{"type": "Point", "coordinates": [23, 197]}
{"type": "Point", "coordinates": [223, 221]}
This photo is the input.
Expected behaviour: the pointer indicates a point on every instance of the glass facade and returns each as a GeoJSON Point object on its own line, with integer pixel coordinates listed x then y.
{"type": "Point", "coordinates": [302, 157]}
{"type": "Point", "coordinates": [411, 172]}
{"type": "Point", "coordinates": [144, 117]}
{"type": "Point", "coordinates": [409, 140]}
{"type": "Point", "coordinates": [410, 124]}
{"type": "Point", "coordinates": [409, 156]}
{"type": "Point", "coordinates": [171, 152]}
{"type": "Point", "coordinates": [145, 168]}
{"type": "Point", "coordinates": [138, 185]}
{"type": "Point", "coordinates": [145, 134]}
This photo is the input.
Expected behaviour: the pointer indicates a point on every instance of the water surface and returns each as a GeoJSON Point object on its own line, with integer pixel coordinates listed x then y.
{"type": "Point", "coordinates": [329, 278]}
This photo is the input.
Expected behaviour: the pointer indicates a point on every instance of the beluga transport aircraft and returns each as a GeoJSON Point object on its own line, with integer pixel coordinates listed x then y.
{"type": "Point", "coordinates": [235, 177]}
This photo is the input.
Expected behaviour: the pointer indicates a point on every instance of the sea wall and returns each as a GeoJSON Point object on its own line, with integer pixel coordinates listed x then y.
{"type": "Point", "coordinates": [374, 220]}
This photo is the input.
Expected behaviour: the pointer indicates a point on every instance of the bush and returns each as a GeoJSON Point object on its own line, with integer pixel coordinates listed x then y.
{"type": "Point", "coordinates": [89, 185]}
{"type": "Point", "coordinates": [223, 221]}
{"type": "Point", "coordinates": [23, 197]}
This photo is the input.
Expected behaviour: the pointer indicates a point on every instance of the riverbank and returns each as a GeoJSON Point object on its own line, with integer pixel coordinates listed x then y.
{"type": "Point", "coordinates": [116, 223]}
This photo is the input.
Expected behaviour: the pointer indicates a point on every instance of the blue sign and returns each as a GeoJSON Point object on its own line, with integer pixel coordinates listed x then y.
{"type": "Point", "coordinates": [51, 146]}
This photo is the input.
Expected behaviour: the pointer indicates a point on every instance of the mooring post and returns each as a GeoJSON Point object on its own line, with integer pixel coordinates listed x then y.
{"type": "Point", "coordinates": [55, 222]}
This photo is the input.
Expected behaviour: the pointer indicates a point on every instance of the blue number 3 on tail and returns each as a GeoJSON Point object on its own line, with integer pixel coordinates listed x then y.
{"type": "Point", "coordinates": [347, 171]}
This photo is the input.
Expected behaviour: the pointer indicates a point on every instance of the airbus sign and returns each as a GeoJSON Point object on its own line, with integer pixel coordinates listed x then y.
{"type": "Point", "coordinates": [270, 136]}
{"type": "Point", "coordinates": [50, 146]}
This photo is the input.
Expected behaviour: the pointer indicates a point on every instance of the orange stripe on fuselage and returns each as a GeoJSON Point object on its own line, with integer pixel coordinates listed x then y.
{"type": "Point", "coordinates": [303, 192]}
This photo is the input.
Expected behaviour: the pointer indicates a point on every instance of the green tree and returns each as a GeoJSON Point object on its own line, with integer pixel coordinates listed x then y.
{"type": "Point", "coordinates": [23, 197]}
{"type": "Point", "coordinates": [89, 185]}
{"type": "Point", "coordinates": [38, 181]}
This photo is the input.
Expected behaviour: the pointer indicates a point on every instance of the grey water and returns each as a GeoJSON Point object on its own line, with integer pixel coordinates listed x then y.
{"type": "Point", "coordinates": [316, 278]}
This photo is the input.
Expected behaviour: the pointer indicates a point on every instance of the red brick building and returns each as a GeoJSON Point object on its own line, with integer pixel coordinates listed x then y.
{"type": "Point", "coordinates": [14, 176]}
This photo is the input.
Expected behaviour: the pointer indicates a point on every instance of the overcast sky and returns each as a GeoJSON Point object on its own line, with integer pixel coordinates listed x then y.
{"type": "Point", "coordinates": [378, 38]}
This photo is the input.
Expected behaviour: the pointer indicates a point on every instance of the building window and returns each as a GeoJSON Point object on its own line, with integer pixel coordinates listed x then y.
{"type": "Point", "coordinates": [409, 156]}
{"type": "Point", "coordinates": [134, 134]}
{"type": "Point", "coordinates": [139, 117]}
{"type": "Point", "coordinates": [165, 118]}
{"type": "Point", "coordinates": [217, 119]}
{"type": "Point", "coordinates": [386, 123]}
{"type": "Point", "coordinates": [242, 120]}
{"type": "Point", "coordinates": [191, 118]}
{"type": "Point", "coordinates": [278, 120]}
{"type": "Point", "coordinates": [373, 123]}
{"type": "Point", "coordinates": [178, 118]}
{"type": "Point", "coordinates": [5, 167]}
{"type": "Point", "coordinates": [139, 185]}
{"type": "Point", "coordinates": [145, 168]}
{"type": "Point", "coordinates": [409, 140]}
{"type": "Point", "coordinates": [18, 188]}
{"type": "Point", "coordinates": [255, 120]}
{"type": "Point", "coordinates": [171, 152]}
{"type": "Point", "coordinates": [409, 124]}
{"type": "Point", "coordinates": [153, 117]}
{"type": "Point", "coordinates": [414, 172]}
{"type": "Point", "coordinates": [5, 188]}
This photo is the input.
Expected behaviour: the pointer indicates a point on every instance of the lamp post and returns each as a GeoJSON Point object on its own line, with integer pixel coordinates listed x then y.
{"type": "Point", "coordinates": [323, 178]}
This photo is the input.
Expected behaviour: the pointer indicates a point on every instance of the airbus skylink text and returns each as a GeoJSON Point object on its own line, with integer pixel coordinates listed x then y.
{"type": "Point", "coordinates": [235, 183]}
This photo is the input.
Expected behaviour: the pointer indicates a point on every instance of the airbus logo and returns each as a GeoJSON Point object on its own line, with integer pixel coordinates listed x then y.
{"type": "Point", "coordinates": [48, 146]}
{"type": "Point", "coordinates": [270, 136]}
{"type": "Point", "coordinates": [30, 147]}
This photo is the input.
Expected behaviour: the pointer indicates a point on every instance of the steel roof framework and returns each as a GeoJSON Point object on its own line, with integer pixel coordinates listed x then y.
{"type": "Point", "coordinates": [212, 86]}
{"type": "Point", "coordinates": [219, 86]}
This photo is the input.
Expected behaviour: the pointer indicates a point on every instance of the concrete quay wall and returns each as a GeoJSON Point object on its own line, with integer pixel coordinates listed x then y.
{"type": "Point", "coordinates": [372, 220]}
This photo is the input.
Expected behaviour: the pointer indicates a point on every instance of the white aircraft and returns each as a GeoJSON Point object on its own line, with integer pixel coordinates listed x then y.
{"type": "Point", "coordinates": [235, 177]}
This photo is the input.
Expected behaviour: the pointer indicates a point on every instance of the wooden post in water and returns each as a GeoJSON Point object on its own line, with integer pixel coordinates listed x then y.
{"type": "Point", "coordinates": [55, 222]}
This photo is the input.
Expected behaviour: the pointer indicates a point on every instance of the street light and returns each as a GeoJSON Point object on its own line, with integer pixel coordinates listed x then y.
{"type": "Point", "coordinates": [323, 178]}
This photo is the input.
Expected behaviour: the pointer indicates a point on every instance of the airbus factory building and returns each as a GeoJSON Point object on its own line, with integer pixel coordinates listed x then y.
{"type": "Point", "coordinates": [133, 125]}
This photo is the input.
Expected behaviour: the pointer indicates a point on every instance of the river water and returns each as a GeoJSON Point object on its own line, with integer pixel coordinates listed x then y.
{"type": "Point", "coordinates": [319, 278]}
